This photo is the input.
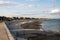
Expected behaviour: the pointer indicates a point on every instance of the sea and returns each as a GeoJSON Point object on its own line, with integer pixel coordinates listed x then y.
{"type": "Point", "coordinates": [51, 25]}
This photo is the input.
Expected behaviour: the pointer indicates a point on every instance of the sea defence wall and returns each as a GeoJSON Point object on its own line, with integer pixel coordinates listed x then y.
{"type": "Point", "coordinates": [8, 32]}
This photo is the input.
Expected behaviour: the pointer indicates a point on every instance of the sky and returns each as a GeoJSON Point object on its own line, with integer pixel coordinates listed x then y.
{"type": "Point", "coordinates": [30, 8]}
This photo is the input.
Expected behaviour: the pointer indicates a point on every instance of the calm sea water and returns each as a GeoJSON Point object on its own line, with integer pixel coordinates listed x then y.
{"type": "Point", "coordinates": [51, 25]}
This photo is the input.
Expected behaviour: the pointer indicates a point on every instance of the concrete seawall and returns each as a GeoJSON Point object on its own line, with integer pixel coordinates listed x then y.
{"type": "Point", "coordinates": [8, 32]}
{"type": "Point", "coordinates": [5, 33]}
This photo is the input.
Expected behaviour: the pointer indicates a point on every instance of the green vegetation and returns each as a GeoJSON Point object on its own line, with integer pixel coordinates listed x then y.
{"type": "Point", "coordinates": [1, 21]}
{"type": "Point", "coordinates": [3, 18]}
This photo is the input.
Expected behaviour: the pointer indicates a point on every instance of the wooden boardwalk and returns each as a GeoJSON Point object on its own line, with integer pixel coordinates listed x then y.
{"type": "Point", "coordinates": [3, 32]}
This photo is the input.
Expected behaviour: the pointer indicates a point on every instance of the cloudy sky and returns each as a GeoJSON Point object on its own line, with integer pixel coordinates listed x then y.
{"type": "Point", "coordinates": [30, 8]}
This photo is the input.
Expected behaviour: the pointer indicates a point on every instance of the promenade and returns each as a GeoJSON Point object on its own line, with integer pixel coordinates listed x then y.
{"type": "Point", "coordinates": [3, 32]}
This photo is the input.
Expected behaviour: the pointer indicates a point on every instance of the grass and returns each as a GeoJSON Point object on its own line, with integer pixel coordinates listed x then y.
{"type": "Point", "coordinates": [2, 21]}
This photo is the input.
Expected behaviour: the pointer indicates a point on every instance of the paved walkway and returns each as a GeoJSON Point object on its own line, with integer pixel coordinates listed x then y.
{"type": "Point", "coordinates": [3, 32]}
